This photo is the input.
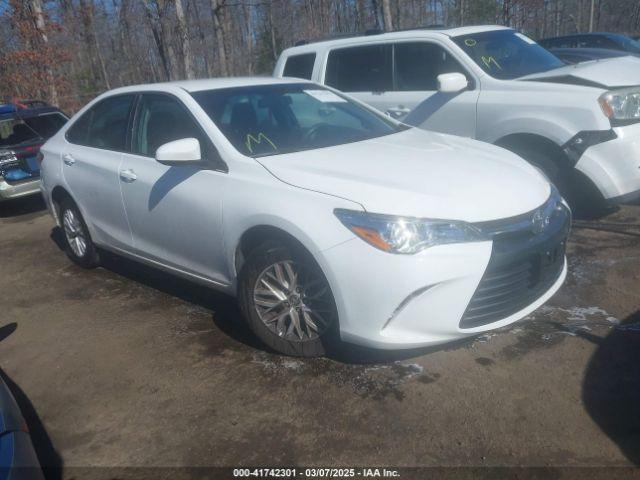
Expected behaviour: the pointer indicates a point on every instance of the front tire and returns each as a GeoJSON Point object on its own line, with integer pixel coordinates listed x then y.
{"type": "Point", "coordinates": [287, 301]}
{"type": "Point", "coordinates": [77, 241]}
{"type": "Point", "coordinates": [585, 199]}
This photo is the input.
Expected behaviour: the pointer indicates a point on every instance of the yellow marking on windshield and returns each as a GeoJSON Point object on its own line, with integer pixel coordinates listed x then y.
{"type": "Point", "coordinates": [488, 61]}
{"type": "Point", "coordinates": [470, 42]}
{"type": "Point", "coordinates": [251, 140]}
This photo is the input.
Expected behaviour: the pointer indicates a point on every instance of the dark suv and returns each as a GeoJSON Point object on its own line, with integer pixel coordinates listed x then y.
{"type": "Point", "coordinates": [24, 127]}
{"type": "Point", "coordinates": [609, 41]}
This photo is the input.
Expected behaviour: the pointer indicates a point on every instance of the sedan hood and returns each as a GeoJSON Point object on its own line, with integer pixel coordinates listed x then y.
{"type": "Point", "coordinates": [605, 73]}
{"type": "Point", "coordinates": [419, 174]}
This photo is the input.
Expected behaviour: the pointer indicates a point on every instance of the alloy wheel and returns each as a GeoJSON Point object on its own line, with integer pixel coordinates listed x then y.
{"type": "Point", "coordinates": [293, 301]}
{"type": "Point", "coordinates": [74, 233]}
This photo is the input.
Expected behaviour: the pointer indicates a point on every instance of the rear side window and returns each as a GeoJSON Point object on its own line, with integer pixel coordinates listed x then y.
{"type": "Point", "coordinates": [418, 64]}
{"type": "Point", "coordinates": [104, 125]}
{"type": "Point", "coordinates": [360, 69]}
{"type": "Point", "coordinates": [300, 66]}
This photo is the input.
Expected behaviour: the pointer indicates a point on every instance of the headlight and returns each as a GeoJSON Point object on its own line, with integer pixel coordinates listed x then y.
{"type": "Point", "coordinates": [406, 234]}
{"type": "Point", "coordinates": [621, 106]}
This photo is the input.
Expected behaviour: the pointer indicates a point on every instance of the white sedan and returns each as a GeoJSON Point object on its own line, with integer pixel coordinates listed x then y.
{"type": "Point", "coordinates": [327, 220]}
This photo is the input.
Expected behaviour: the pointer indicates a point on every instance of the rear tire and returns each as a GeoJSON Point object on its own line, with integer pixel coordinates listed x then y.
{"type": "Point", "coordinates": [77, 241]}
{"type": "Point", "coordinates": [287, 301]}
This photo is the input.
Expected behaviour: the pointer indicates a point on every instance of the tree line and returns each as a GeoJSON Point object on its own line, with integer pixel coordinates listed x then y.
{"type": "Point", "coordinates": [69, 51]}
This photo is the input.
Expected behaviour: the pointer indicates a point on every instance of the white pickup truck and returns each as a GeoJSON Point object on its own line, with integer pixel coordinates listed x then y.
{"type": "Point", "coordinates": [579, 123]}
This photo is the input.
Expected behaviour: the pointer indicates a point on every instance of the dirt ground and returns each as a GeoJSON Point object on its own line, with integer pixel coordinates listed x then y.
{"type": "Point", "coordinates": [128, 366]}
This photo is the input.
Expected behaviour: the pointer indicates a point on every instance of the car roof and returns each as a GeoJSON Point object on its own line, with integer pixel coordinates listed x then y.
{"type": "Point", "coordinates": [207, 84]}
{"type": "Point", "coordinates": [398, 35]}
{"type": "Point", "coordinates": [602, 52]}
{"type": "Point", "coordinates": [586, 34]}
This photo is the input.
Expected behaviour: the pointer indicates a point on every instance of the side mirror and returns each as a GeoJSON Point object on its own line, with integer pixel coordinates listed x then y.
{"type": "Point", "coordinates": [179, 152]}
{"type": "Point", "coordinates": [452, 82]}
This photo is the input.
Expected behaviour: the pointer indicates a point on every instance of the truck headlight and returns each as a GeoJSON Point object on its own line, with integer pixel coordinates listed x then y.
{"type": "Point", "coordinates": [621, 106]}
{"type": "Point", "coordinates": [406, 235]}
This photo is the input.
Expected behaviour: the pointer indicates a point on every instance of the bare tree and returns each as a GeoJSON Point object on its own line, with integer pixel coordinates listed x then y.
{"type": "Point", "coordinates": [36, 9]}
{"type": "Point", "coordinates": [70, 50]}
{"type": "Point", "coordinates": [185, 42]}
{"type": "Point", "coordinates": [386, 11]}
{"type": "Point", "coordinates": [87, 14]}
{"type": "Point", "coordinates": [216, 7]}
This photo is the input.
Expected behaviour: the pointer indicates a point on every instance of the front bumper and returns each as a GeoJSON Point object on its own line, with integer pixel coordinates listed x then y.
{"type": "Point", "coordinates": [406, 301]}
{"type": "Point", "coordinates": [631, 197]}
{"type": "Point", "coordinates": [9, 191]}
{"type": "Point", "coordinates": [614, 166]}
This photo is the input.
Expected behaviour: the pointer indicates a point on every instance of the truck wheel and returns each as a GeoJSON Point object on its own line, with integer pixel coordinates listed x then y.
{"type": "Point", "coordinates": [585, 199]}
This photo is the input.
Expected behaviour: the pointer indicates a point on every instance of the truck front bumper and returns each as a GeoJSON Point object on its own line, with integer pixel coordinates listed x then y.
{"type": "Point", "coordinates": [614, 166]}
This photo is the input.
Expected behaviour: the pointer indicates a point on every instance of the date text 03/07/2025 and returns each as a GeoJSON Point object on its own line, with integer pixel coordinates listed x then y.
{"type": "Point", "coordinates": [315, 473]}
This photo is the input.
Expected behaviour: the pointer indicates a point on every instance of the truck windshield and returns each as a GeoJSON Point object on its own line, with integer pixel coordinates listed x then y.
{"type": "Point", "coordinates": [505, 54]}
{"type": "Point", "coordinates": [17, 131]}
{"type": "Point", "coordinates": [282, 118]}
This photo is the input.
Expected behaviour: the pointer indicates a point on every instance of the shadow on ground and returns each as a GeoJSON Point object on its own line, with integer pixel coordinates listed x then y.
{"type": "Point", "coordinates": [22, 206]}
{"type": "Point", "coordinates": [226, 313]}
{"type": "Point", "coordinates": [611, 388]}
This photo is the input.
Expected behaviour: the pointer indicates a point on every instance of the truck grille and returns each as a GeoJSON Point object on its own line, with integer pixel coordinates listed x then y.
{"type": "Point", "coordinates": [522, 267]}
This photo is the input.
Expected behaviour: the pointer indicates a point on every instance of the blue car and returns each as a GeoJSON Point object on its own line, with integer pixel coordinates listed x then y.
{"type": "Point", "coordinates": [579, 55]}
{"type": "Point", "coordinates": [609, 41]}
{"type": "Point", "coordinates": [18, 460]}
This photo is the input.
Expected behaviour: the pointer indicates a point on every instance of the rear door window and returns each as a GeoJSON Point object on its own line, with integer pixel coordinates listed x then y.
{"type": "Point", "coordinates": [104, 125]}
{"type": "Point", "coordinates": [418, 64]}
{"type": "Point", "coordinates": [360, 69]}
{"type": "Point", "coordinates": [300, 66]}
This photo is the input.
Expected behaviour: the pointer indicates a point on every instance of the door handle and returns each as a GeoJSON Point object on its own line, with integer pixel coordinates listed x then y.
{"type": "Point", "coordinates": [68, 159]}
{"type": "Point", "coordinates": [128, 176]}
{"type": "Point", "coordinates": [397, 112]}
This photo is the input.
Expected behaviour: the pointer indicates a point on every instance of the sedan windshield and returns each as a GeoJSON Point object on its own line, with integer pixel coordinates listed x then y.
{"type": "Point", "coordinates": [505, 54]}
{"type": "Point", "coordinates": [273, 119]}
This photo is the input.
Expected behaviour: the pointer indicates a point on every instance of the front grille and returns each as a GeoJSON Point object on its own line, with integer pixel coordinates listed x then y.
{"type": "Point", "coordinates": [522, 267]}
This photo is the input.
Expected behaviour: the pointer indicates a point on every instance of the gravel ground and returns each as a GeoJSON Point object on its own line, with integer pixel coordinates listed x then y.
{"type": "Point", "coordinates": [128, 366]}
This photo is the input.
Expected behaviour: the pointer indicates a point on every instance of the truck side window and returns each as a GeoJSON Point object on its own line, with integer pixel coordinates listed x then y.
{"type": "Point", "coordinates": [418, 64]}
{"type": "Point", "coordinates": [360, 69]}
{"type": "Point", "coordinates": [299, 66]}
